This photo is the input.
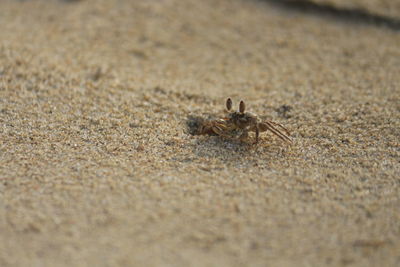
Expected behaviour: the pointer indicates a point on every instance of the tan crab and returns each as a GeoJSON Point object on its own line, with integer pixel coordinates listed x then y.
{"type": "Point", "coordinates": [239, 123]}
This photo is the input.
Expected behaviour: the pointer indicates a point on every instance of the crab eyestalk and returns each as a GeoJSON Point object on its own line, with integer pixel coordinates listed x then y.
{"type": "Point", "coordinates": [242, 107]}
{"type": "Point", "coordinates": [229, 104]}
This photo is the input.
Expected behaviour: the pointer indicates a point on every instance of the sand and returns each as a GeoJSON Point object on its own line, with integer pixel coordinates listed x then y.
{"type": "Point", "coordinates": [98, 166]}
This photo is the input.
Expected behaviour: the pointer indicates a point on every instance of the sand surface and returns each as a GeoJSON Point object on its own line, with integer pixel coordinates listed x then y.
{"type": "Point", "coordinates": [98, 168]}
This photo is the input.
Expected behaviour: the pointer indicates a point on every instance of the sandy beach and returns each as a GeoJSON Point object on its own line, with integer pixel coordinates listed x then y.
{"type": "Point", "coordinates": [99, 165]}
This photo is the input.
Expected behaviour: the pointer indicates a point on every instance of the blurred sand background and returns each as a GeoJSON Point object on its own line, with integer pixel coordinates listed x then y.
{"type": "Point", "coordinates": [97, 166]}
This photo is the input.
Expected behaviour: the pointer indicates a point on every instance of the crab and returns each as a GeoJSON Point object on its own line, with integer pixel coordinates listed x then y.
{"type": "Point", "coordinates": [239, 123]}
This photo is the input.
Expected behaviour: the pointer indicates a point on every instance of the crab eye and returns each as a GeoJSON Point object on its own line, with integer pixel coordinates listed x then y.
{"type": "Point", "coordinates": [242, 106]}
{"type": "Point", "coordinates": [228, 104]}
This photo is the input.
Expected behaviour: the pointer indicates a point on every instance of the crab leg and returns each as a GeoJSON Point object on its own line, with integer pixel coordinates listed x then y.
{"type": "Point", "coordinates": [217, 129]}
{"type": "Point", "coordinates": [257, 134]}
{"type": "Point", "coordinates": [268, 125]}
{"type": "Point", "coordinates": [281, 126]}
